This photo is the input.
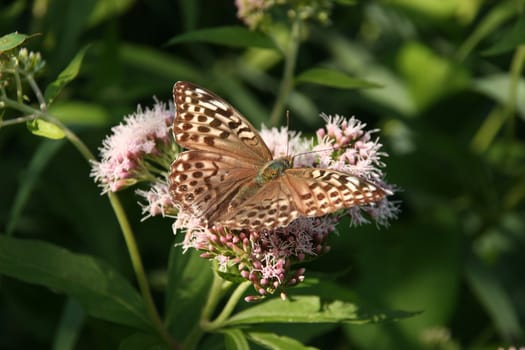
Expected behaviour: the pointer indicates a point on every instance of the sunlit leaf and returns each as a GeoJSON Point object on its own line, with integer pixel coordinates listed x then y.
{"type": "Point", "coordinates": [277, 342]}
{"type": "Point", "coordinates": [310, 309]}
{"type": "Point", "coordinates": [80, 113]}
{"type": "Point", "coordinates": [12, 40]}
{"type": "Point", "coordinates": [44, 128]}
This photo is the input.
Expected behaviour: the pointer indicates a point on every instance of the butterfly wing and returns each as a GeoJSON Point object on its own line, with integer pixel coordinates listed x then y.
{"type": "Point", "coordinates": [271, 206]}
{"type": "Point", "coordinates": [203, 183]}
{"type": "Point", "coordinates": [318, 192]}
{"type": "Point", "coordinates": [206, 122]}
{"type": "Point", "coordinates": [300, 192]}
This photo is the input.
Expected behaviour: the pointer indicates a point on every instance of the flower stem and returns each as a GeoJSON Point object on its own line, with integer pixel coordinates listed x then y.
{"type": "Point", "coordinates": [125, 226]}
{"type": "Point", "coordinates": [217, 290]}
{"type": "Point", "coordinates": [290, 60]}
{"type": "Point", "coordinates": [138, 267]}
{"type": "Point", "coordinates": [229, 307]}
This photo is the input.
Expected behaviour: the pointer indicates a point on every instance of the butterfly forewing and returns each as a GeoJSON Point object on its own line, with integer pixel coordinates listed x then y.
{"type": "Point", "coordinates": [206, 122]}
{"type": "Point", "coordinates": [226, 179]}
{"type": "Point", "coordinates": [204, 182]}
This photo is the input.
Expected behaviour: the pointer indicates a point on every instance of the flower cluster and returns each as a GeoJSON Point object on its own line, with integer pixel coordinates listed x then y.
{"type": "Point", "coordinates": [261, 13]}
{"type": "Point", "coordinates": [21, 62]}
{"type": "Point", "coordinates": [142, 149]}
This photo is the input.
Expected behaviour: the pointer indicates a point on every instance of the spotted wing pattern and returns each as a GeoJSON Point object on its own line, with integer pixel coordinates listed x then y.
{"type": "Point", "coordinates": [301, 192]}
{"type": "Point", "coordinates": [225, 155]}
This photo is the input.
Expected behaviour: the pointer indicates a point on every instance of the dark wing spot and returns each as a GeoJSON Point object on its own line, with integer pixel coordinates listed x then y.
{"type": "Point", "coordinates": [215, 123]}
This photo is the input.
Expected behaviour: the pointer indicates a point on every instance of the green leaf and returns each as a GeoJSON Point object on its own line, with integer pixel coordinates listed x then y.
{"type": "Point", "coordinates": [67, 75]}
{"type": "Point", "coordinates": [509, 39]}
{"type": "Point", "coordinates": [277, 342]}
{"type": "Point", "coordinates": [333, 78]}
{"type": "Point", "coordinates": [228, 36]}
{"type": "Point", "coordinates": [104, 10]}
{"type": "Point", "coordinates": [442, 75]}
{"type": "Point", "coordinates": [12, 40]}
{"type": "Point", "coordinates": [310, 309]}
{"type": "Point", "coordinates": [101, 290]}
{"type": "Point", "coordinates": [235, 339]}
{"type": "Point", "coordinates": [44, 128]}
{"type": "Point", "coordinates": [189, 281]}
{"type": "Point", "coordinates": [80, 113]}
{"type": "Point", "coordinates": [142, 341]}
{"type": "Point", "coordinates": [496, 86]}
{"type": "Point", "coordinates": [70, 327]}
{"type": "Point", "coordinates": [500, 13]}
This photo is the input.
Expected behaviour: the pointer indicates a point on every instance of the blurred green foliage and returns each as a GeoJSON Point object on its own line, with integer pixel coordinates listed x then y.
{"type": "Point", "coordinates": [448, 94]}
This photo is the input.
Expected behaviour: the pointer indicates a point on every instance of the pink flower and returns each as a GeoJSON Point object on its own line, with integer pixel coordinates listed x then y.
{"type": "Point", "coordinates": [139, 149]}
{"type": "Point", "coordinates": [266, 258]}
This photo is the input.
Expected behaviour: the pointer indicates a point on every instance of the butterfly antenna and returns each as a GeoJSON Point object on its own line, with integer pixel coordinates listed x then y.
{"type": "Point", "coordinates": [287, 133]}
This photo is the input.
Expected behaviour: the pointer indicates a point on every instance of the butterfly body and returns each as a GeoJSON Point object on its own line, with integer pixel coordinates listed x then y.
{"type": "Point", "coordinates": [228, 176]}
{"type": "Point", "coordinates": [273, 169]}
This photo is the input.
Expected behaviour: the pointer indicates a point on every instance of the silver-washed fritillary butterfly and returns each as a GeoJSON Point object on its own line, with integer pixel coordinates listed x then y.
{"type": "Point", "coordinates": [228, 176]}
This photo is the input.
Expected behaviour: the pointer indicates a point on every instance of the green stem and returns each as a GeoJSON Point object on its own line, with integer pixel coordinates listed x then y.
{"type": "Point", "coordinates": [215, 294]}
{"type": "Point", "coordinates": [38, 92]}
{"type": "Point", "coordinates": [501, 114]}
{"type": "Point", "coordinates": [229, 307]}
{"type": "Point", "coordinates": [290, 59]}
{"type": "Point", "coordinates": [138, 267]}
{"type": "Point", "coordinates": [516, 69]}
{"type": "Point", "coordinates": [125, 226]}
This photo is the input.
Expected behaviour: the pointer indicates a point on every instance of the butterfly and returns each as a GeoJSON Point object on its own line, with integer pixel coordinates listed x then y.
{"type": "Point", "coordinates": [227, 176]}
